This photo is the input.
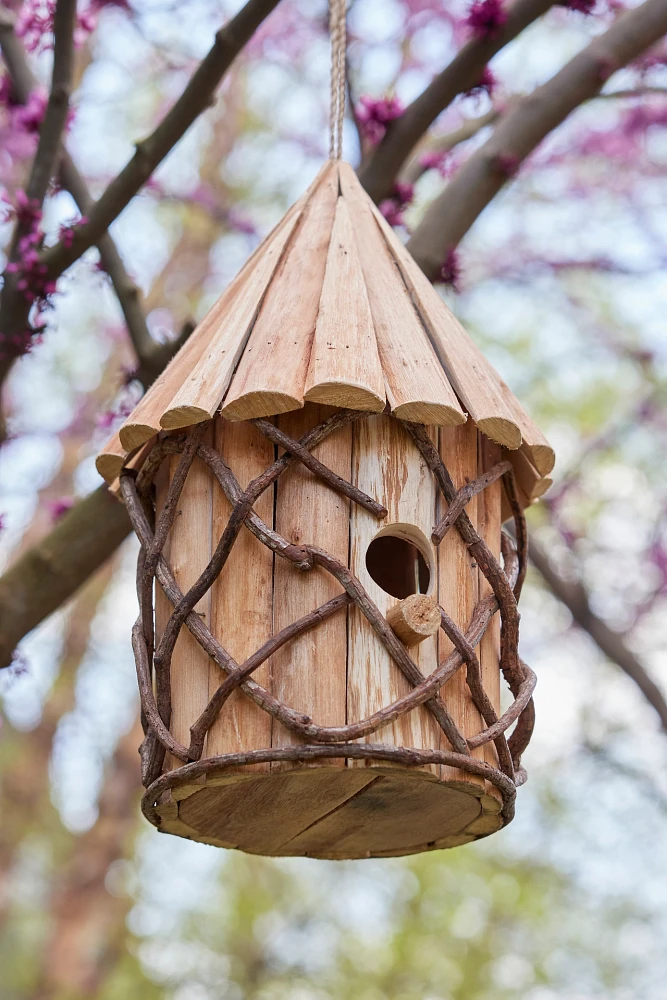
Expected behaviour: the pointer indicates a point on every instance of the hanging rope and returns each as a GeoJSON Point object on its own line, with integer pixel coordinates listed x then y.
{"type": "Point", "coordinates": [337, 13]}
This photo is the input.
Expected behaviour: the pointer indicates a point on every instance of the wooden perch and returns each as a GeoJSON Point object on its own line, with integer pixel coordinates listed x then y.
{"type": "Point", "coordinates": [415, 618]}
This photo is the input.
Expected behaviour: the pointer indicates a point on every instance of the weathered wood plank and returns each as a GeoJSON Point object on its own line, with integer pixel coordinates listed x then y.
{"type": "Point", "coordinates": [388, 466]}
{"type": "Point", "coordinates": [189, 552]}
{"type": "Point", "coordinates": [459, 587]}
{"type": "Point", "coordinates": [309, 673]}
{"type": "Point", "coordinates": [242, 596]}
{"type": "Point", "coordinates": [489, 514]}
{"type": "Point", "coordinates": [417, 387]}
{"type": "Point", "coordinates": [345, 367]}
{"type": "Point", "coordinates": [272, 373]}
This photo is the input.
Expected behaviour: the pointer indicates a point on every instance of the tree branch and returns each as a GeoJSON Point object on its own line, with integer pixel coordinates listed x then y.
{"type": "Point", "coordinates": [196, 97]}
{"type": "Point", "coordinates": [50, 572]}
{"type": "Point", "coordinates": [55, 116]}
{"type": "Point", "coordinates": [612, 644]}
{"type": "Point", "coordinates": [452, 214]}
{"type": "Point", "coordinates": [150, 152]}
{"type": "Point", "coordinates": [445, 143]}
{"type": "Point", "coordinates": [462, 74]}
{"type": "Point", "coordinates": [126, 291]}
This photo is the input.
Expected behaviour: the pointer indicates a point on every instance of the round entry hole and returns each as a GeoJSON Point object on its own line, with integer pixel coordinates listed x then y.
{"type": "Point", "coordinates": [397, 566]}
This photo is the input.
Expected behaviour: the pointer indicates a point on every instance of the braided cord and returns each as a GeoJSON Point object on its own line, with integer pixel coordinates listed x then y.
{"type": "Point", "coordinates": [337, 13]}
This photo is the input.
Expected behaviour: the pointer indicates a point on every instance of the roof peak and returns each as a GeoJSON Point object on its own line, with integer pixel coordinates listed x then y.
{"type": "Point", "coordinates": [332, 308]}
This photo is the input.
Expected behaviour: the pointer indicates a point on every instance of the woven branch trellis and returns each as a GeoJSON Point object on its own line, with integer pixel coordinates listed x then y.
{"type": "Point", "coordinates": [153, 659]}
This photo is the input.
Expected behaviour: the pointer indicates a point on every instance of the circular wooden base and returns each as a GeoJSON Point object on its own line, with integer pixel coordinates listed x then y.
{"type": "Point", "coordinates": [331, 812]}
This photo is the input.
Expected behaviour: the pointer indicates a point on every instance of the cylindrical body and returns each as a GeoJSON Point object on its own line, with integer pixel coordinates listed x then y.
{"type": "Point", "coordinates": [338, 671]}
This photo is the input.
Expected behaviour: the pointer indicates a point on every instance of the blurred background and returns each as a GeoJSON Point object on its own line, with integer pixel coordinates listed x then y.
{"type": "Point", "coordinates": [563, 283]}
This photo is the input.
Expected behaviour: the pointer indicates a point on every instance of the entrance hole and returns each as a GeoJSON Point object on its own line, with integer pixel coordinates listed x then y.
{"type": "Point", "coordinates": [397, 565]}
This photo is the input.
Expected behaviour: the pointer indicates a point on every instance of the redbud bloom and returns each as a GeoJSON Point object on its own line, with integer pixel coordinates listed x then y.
{"type": "Point", "coordinates": [450, 272]}
{"type": "Point", "coordinates": [374, 116]}
{"type": "Point", "coordinates": [58, 508]}
{"type": "Point", "coordinates": [485, 84]}
{"type": "Point", "coordinates": [486, 17]}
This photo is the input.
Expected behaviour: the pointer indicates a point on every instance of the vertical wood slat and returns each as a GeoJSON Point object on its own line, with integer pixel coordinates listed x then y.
{"type": "Point", "coordinates": [459, 588]}
{"type": "Point", "coordinates": [489, 505]}
{"type": "Point", "coordinates": [387, 466]}
{"type": "Point", "coordinates": [271, 374]}
{"type": "Point", "coordinates": [163, 606]}
{"type": "Point", "coordinates": [241, 597]}
{"type": "Point", "coordinates": [189, 552]}
{"type": "Point", "coordinates": [344, 362]}
{"type": "Point", "coordinates": [309, 672]}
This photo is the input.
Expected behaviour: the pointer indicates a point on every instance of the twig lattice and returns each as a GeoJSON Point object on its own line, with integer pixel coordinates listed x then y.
{"type": "Point", "coordinates": [153, 660]}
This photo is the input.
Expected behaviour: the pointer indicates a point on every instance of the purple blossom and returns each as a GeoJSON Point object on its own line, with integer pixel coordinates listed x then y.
{"type": "Point", "coordinates": [35, 25]}
{"type": "Point", "coordinates": [29, 116]}
{"type": "Point", "coordinates": [507, 164]}
{"type": "Point", "coordinates": [392, 208]}
{"type": "Point", "coordinates": [450, 272]}
{"type": "Point", "coordinates": [67, 231]}
{"type": "Point", "coordinates": [485, 85]}
{"type": "Point", "coordinates": [435, 160]}
{"type": "Point", "coordinates": [374, 116]}
{"type": "Point", "coordinates": [7, 94]}
{"type": "Point", "coordinates": [583, 6]}
{"type": "Point", "coordinates": [486, 17]}
{"type": "Point", "coordinates": [108, 418]}
{"type": "Point", "coordinates": [241, 223]}
{"type": "Point", "coordinates": [58, 508]}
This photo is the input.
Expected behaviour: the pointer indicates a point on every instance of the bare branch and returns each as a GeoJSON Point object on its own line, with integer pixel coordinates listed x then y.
{"type": "Point", "coordinates": [445, 143]}
{"type": "Point", "coordinates": [462, 74]}
{"type": "Point", "coordinates": [50, 572]}
{"type": "Point", "coordinates": [55, 116]}
{"type": "Point", "coordinates": [612, 644]}
{"type": "Point", "coordinates": [196, 97]}
{"type": "Point", "coordinates": [126, 291]}
{"type": "Point", "coordinates": [452, 214]}
{"type": "Point", "coordinates": [150, 152]}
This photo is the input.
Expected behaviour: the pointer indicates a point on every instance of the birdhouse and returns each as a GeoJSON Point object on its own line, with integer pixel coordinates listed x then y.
{"type": "Point", "coordinates": [328, 601]}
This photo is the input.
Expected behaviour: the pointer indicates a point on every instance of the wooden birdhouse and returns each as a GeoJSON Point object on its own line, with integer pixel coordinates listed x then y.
{"type": "Point", "coordinates": [328, 603]}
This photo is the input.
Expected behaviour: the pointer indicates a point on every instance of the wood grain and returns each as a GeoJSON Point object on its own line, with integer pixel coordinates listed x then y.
{"type": "Point", "coordinates": [242, 596]}
{"type": "Point", "coordinates": [388, 466]}
{"type": "Point", "coordinates": [261, 814]}
{"type": "Point", "coordinates": [488, 526]}
{"type": "Point", "coordinates": [110, 459]}
{"type": "Point", "coordinates": [394, 814]}
{"type": "Point", "coordinates": [272, 372]}
{"type": "Point", "coordinates": [415, 618]}
{"type": "Point", "coordinates": [309, 673]}
{"type": "Point", "coordinates": [485, 396]}
{"type": "Point", "coordinates": [198, 397]}
{"type": "Point", "coordinates": [345, 367]}
{"type": "Point", "coordinates": [189, 552]}
{"type": "Point", "coordinates": [458, 587]}
{"type": "Point", "coordinates": [417, 387]}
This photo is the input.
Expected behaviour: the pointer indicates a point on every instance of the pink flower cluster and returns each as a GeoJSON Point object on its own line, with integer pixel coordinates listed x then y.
{"type": "Point", "coordinates": [32, 282]}
{"type": "Point", "coordinates": [67, 230]}
{"type": "Point", "coordinates": [450, 272]}
{"type": "Point", "coordinates": [435, 160]}
{"type": "Point", "coordinates": [485, 85]}
{"type": "Point", "coordinates": [374, 116]}
{"type": "Point", "coordinates": [583, 6]}
{"type": "Point", "coordinates": [123, 409]}
{"type": "Point", "coordinates": [486, 17]}
{"type": "Point", "coordinates": [29, 116]}
{"type": "Point", "coordinates": [393, 208]}
{"type": "Point", "coordinates": [35, 24]}
{"type": "Point", "coordinates": [58, 508]}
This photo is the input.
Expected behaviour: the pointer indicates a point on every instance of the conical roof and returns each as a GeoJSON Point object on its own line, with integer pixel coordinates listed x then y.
{"type": "Point", "coordinates": [331, 308]}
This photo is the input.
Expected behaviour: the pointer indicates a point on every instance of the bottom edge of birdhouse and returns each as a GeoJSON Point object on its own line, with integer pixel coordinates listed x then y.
{"type": "Point", "coordinates": [330, 812]}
